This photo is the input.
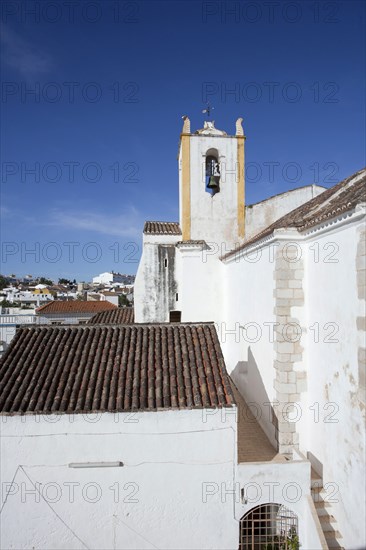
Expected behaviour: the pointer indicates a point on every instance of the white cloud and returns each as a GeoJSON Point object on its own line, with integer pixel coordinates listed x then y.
{"type": "Point", "coordinates": [5, 212]}
{"type": "Point", "coordinates": [21, 55]}
{"type": "Point", "coordinates": [128, 224]}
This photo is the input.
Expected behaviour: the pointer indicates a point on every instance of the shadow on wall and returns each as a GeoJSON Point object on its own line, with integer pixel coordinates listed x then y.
{"type": "Point", "coordinates": [249, 382]}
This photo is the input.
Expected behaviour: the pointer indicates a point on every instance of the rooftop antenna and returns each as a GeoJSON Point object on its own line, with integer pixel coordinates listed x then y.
{"type": "Point", "coordinates": [208, 110]}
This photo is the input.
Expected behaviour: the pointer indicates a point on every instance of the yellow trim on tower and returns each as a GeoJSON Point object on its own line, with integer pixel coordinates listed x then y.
{"type": "Point", "coordinates": [241, 187]}
{"type": "Point", "coordinates": [186, 187]}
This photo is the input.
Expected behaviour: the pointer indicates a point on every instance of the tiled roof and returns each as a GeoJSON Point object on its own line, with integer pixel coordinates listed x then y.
{"type": "Point", "coordinates": [75, 306]}
{"type": "Point", "coordinates": [61, 288]}
{"type": "Point", "coordinates": [329, 204]}
{"type": "Point", "coordinates": [120, 316]}
{"type": "Point", "coordinates": [162, 228]}
{"type": "Point", "coordinates": [79, 369]}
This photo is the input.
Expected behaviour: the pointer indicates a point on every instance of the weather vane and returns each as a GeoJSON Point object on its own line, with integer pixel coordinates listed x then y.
{"type": "Point", "coordinates": [208, 110]}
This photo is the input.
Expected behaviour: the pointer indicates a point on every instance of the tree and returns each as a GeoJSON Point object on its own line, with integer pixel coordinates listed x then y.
{"type": "Point", "coordinates": [5, 303]}
{"type": "Point", "coordinates": [66, 282]}
{"type": "Point", "coordinates": [122, 301]}
{"type": "Point", "coordinates": [44, 281]}
{"type": "Point", "coordinates": [3, 282]}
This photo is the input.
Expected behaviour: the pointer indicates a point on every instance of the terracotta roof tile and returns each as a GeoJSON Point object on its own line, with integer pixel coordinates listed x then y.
{"type": "Point", "coordinates": [75, 306]}
{"type": "Point", "coordinates": [340, 198]}
{"type": "Point", "coordinates": [120, 316]}
{"type": "Point", "coordinates": [113, 368]}
{"type": "Point", "coordinates": [162, 228]}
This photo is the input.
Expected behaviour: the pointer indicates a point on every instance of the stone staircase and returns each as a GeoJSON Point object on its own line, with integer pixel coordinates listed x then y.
{"type": "Point", "coordinates": [324, 510]}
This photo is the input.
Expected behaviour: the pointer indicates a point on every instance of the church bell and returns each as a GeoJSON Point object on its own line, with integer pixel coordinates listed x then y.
{"type": "Point", "coordinates": [213, 182]}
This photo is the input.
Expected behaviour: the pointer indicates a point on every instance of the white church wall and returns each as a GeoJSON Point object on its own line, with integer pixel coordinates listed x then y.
{"type": "Point", "coordinates": [155, 500]}
{"type": "Point", "coordinates": [333, 425]}
{"type": "Point", "coordinates": [140, 287]}
{"type": "Point", "coordinates": [155, 284]}
{"type": "Point", "coordinates": [200, 283]}
{"type": "Point", "coordinates": [247, 329]}
{"type": "Point", "coordinates": [262, 214]}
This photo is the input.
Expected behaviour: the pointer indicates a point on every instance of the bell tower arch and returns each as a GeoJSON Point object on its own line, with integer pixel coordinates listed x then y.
{"type": "Point", "coordinates": [212, 184]}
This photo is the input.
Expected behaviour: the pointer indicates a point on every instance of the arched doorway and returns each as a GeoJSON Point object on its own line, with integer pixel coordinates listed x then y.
{"type": "Point", "coordinates": [269, 527]}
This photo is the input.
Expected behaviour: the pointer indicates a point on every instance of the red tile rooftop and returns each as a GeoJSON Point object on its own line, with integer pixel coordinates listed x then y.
{"type": "Point", "coordinates": [94, 368]}
{"type": "Point", "coordinates": [120, 316]}
{"type": "Point", "coordinates": [75, 306]}
{"type": "Point", "coordinates": [162, 228]}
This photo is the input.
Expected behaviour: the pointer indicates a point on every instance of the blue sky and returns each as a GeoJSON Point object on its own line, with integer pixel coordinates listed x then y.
{"type": "Point", "coordinates": [111, 81]}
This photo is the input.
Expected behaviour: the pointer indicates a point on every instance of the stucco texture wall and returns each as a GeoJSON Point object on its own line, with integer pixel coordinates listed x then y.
{"type": "Point", "coordinates": [153, 501]}
{"type": "Point", "coordinates": [262, 214]}
{"type": "Point", "coordinates": [247, 328]}
{"type": "Point", "coordinates": [335, 417]}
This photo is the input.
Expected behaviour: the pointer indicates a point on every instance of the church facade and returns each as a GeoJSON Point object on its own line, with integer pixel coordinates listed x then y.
{"type": "Point", "coordinates": [227, 411]}
{"type": "Point", "coordinates": [284, 282]}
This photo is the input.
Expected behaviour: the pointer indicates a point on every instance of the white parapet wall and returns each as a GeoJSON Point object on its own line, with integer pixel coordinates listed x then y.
{"type": "Point", "coordinates": [154, 500]}
{"type": "Point", "coordinates": [287, 484]}
{"type": "Point", "coordinates": [262, 214]}
{"type": "Point", "coordinates": [166, 479]}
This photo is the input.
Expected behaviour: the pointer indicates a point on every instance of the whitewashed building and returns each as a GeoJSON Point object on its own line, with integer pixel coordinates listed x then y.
{"type": "Point", "coordinates": [36, 297]}
{"type": "Point", "coordinates": [229, 411]}
{"type": "Point", "coordinates": [284, 282]}
{"type": "Point", "coordinates": [133, 436]}
{"type": "Point", "coordinates": [108, 278]}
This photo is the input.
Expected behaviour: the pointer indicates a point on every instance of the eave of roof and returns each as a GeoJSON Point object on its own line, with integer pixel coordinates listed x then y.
{"type": "Point", "coordinates": [162, 228]}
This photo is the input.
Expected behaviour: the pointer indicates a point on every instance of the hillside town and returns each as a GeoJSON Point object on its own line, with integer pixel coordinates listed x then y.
{"type": "Point", "coordinates": [39, 300]}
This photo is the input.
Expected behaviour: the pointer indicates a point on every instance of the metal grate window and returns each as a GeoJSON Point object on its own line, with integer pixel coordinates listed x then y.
{"type": "Point", "coordinates": [269, 527]}
{"type": "Point", "coordinates": [175, 316]}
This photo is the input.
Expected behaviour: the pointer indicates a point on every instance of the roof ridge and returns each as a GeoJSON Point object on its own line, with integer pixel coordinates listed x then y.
{"type": "Point", "coordinates": [161, 221]}
{"type": "Point", "coordinates": [114, 324]}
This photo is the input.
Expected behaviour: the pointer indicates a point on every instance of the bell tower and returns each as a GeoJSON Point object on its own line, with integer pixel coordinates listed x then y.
{"type": "Point", "coordinates": [212, 184]}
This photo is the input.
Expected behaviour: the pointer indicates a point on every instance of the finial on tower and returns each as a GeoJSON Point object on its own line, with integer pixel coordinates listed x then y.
{"type": "Point", "coordinates": [208, 110]}
{"type": "Point", "coordinates": [186, 125]}
{"type": "Point", "coordinates": [239, 127]}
